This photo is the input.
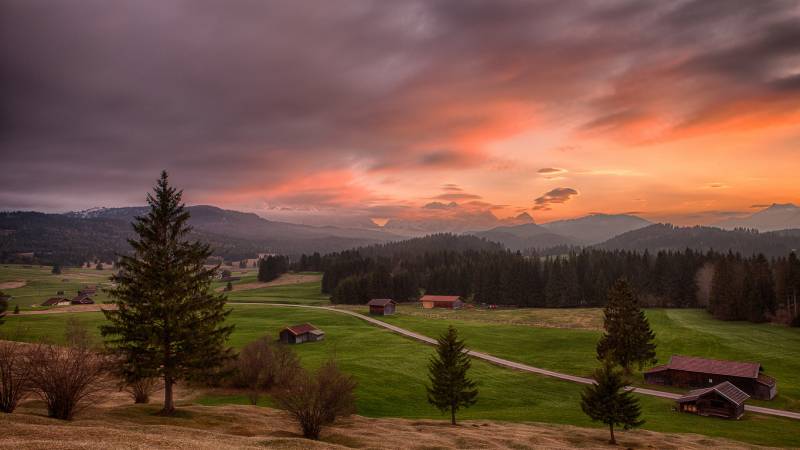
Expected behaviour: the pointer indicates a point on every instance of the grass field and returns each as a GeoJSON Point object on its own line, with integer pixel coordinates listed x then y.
{"type": "Point", "coordinates": [41, 284]}
{"type": "Point", "coordinates": [391, 372]}
{"type": "Point", "coordinates": [571, 349]}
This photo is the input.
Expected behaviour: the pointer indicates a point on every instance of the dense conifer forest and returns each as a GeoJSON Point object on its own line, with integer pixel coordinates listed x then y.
{"type": "Point", "coordinates": [731, 286]}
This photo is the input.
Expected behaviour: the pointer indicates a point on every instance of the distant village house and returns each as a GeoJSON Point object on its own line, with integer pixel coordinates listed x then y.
{"type": "Point", "coordinates": [694, 372]}
{"type": "Point", "coordinates": [381, 306]}
{"type": "Point", "coordinates": [722, 400]}
{"type": "Point", "coordinates": [82, 300]}
{"type": "Point", "coordinates": [441, 301]}
{"type": "Point", "coordinates": [301, 333]}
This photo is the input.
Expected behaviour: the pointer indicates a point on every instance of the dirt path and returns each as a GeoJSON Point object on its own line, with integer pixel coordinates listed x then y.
{"type": "Point", "coordinates": [287, 278]}
{"type": "Point", "coordinates": [475, 354]}
{"type": "Point", "coordinates": [519, 366]}
{"type": "Point", "coordinates": [70, 309]}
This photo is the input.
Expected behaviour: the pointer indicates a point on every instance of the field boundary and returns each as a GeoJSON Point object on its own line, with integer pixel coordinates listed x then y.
{"type": "Point", "coordinates": [515, 365]}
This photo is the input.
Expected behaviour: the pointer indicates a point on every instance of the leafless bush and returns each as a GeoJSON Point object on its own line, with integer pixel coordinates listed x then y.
{"type": "Point", "coordinates": [141, 389]}
{"type": "Point", "coordinates": [76, 334]}
{"type": "Point", "coordinates": [68, 379]}
{"type": "Point", "coordinates": [263, 365]}
{"type": "Point", "coordinates": [317, 399]}
{"type": "Point", "coordinates": [14, 374]}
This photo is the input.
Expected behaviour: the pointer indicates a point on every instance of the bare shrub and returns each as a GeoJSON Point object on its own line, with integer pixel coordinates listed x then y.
{"type": "Point", "coordinates": [76, 334]}
{"type": "Point", "coordinates": [263, 365]}
{"type": "Point", "coordinates": [14, 374]}
{"type": "Point", "coordinates": [68, 379]}
{"type": "Point", "coordinates": [317, 399]}
{"type": "Point", "coordinates": [140, 390]}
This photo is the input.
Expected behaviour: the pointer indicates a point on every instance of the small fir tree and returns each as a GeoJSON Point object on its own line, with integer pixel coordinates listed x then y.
{"type": "Point", "coordinates": [169, 320]}
{"type": "Point", "coordinates": [628, 338]}
{"type": "Point", "coordinates": [608, 402]}
{"type": "Point", "coordinates": [450, 389]}
{"type": "Point", "coordinates": [56, 269]}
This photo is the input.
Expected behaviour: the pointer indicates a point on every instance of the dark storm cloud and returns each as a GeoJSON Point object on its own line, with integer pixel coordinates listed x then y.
{"type": "Point", "coordinates": [98, 96]}
{"type": "Point", "coordinates": [555, 196]}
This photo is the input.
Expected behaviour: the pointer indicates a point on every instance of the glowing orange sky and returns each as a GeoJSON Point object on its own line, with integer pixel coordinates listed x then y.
{"type": "Point", "coordinates": [683, 111]}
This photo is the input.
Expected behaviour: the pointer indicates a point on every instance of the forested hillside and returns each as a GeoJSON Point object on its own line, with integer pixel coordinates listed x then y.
{"type": "Point", "coordinates": [669, 237]}
{"type": "Point", "coordinates": [732, 286]}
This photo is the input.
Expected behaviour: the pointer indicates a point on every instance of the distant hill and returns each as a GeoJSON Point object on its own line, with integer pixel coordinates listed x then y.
{"type": "Point", "coordinates": [524, 237]}
{"type": "Point", "coordinates": [596, 228]}
{"type": "Point", "coordinates": [668, 237]}
{"type": "Point", "coordinates": [101, 233]}
{"type": "Point", "coordinates": [776, 217]}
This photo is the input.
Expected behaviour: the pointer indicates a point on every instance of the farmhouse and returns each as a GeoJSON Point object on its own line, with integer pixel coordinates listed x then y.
{"type": "Point", "coordinates": [441, 301]}
{"type": "Point", "coordinates": [82, 300]}
{"type": "Point", "coordinates": [694, 372]}
{"type": "Point", "coordinates": [381, 306]}
{"type": "Point", "coordinates": [53, 301]}
{"type": "Point", "coordinates": [301, 333]}
{"type": "Point", "coordinates": [723, 400]}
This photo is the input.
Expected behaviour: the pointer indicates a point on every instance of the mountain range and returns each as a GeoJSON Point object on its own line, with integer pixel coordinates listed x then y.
{"type": "Point", "coordinates": [103, 232]}
{"type": "Point", "coordinates": [779, 216]}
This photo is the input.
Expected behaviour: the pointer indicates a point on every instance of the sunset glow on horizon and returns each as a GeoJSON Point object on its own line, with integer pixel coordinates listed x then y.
{"type": "Point", "coordinates": [685, 112]}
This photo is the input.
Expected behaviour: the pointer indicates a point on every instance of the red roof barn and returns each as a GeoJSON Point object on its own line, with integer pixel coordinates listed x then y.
{"type": "Point", "coordinates": [695, 372]}
{"type": "Point", "coordinates": [298, 334]}
{"type": "Point", "coordinates": [441, 301]}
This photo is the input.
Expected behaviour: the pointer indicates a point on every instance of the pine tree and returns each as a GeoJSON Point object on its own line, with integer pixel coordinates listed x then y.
{"type": "Point", "coordinates": [450, 389]}
{"type": "Point", "coordinates": [628, 338]}
{"type": "Point", "coordinates": [608, 402]}
{"type": "Point", "coordinates": [169, 321]}
{"type": "Point", "coordinates": [56, 269]}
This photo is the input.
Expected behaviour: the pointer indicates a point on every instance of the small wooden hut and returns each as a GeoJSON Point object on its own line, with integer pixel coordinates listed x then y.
{"type": "Point", "coordinates": [381, 306]}
{"type": "Point", "coordinates": [723, 400]}
{"type": "Point", "coordinates": [298, 334]}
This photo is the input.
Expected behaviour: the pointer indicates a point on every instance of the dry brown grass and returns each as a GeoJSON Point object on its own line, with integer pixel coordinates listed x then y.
{"type": "Point", "coordinates": [13, 284]}
{"type": "Point", "coordinates": [227, 427]}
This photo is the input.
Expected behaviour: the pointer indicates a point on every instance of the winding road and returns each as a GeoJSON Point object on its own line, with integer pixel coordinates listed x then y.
{"type": "Point", "coordinates": [515, 365]}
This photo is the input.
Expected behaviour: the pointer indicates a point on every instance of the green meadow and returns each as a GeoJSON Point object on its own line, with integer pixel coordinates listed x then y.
{"type": "Point", "coordinates": [40, 284]}
{"type": "Point", "coordinates": [391, 373]}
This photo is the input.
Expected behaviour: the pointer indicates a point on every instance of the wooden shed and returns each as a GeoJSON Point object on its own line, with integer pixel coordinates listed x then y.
{"type": "Point", "coordinates": [441, 301]}
{"type": "Point", "coordinates": [694, 372]}
{"type": "Point", "coordinates": [53, 301]}
{"type": "Point", "coordinates": [298, 334]}
{"type": "Point", "coordinates": [723, 400]}
{"type": "Point", "coordinates": [82, 300]}
{"type": "Point", "coordinates": [382, 306]}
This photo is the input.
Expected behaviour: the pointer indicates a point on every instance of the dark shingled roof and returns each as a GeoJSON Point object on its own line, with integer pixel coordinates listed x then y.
{"type": "Point", "coordinates": [711, 366]}
{"type": "Point", "coordinates": [380, 301]}
{"type": "Point", "coordinates": [301, 329]}
{"type": "Point", "coordinates": [725, 389]}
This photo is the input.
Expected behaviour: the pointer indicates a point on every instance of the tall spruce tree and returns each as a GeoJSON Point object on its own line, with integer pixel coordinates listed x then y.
{"type": "Point", "coordinates": [628, 338]}
{"type": "Point", "coordinates": [608, 402]}
{"type": "Point", "coordinates": [169, 321]}
{"type": "Point", "coordinates": [450, 389]}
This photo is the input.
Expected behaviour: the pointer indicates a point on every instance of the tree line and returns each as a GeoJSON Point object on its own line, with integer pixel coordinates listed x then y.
{"type": "Point", "coordinates": [731, 286]}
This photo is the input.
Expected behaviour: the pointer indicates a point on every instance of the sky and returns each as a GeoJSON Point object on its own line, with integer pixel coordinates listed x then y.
{"type": "Point", "coordinates": [338, 111]}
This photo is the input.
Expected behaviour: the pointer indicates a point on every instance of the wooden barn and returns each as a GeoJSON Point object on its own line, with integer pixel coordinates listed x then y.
{"type": "Point", "coordinates": [722, 400]}
{"type": "Point", "coordinates": [694, 372]}
{"type": "Point", "coordinates": [82, 300]}
{"type": "Point", "coordinates": [441, 301]}
{"type": "Point", "coordinates": [301, 333]}
{"type": "Point", "coordinates": [53, 301]}
{"type": "Point", "coordinates": [382, 306]}
{"type": "Point", "coordinates": [88, 290]}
